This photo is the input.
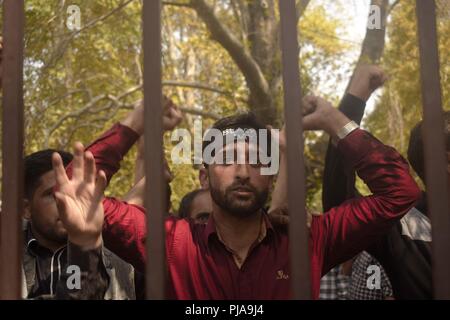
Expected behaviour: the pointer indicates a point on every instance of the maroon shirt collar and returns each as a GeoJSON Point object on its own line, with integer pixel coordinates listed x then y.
{"type": "Point", "coordinates": [211, 226]}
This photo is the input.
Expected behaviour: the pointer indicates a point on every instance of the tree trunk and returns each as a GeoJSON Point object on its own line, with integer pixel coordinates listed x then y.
{"type": "Point", "coordinates": [260, 60]}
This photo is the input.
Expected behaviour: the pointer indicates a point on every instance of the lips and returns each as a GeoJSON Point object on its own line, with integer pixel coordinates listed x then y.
{"type": "Point", "coordinates": [244, 191]}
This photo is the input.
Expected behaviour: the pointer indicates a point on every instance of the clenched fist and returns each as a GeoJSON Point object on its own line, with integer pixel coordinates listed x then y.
{"type": "Point", "coordinates": [319, 114]}
{"type": "Point", "coordinates": [366, 79]}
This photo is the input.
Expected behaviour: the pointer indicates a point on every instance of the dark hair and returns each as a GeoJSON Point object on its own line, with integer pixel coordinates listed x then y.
{"type": "Point", "coordinates": [186, 203]}
{"type": "Point", "coordinates": [246, 120]}
{"type": "Point", "coordinates": [39, 163]}
{"type": "Point", "coordinates": [416, 146]}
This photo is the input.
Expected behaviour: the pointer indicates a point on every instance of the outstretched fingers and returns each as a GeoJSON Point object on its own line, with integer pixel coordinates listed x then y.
{"type": "Point", "coordinates": [100, 185]}
{"type": "Point", "coordinates": [89, 167]}
{"type": "Point", "coordinates": [59, 170]}
{"type": "Point", "coordinates": [78, 162]}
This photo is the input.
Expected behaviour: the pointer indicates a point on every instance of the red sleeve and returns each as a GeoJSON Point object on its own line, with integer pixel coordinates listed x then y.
{"type": "Point", "coordinates": [124, 231]}
{"type": "Point", "coordinates": [110, 148]}
{"type": "Point", "coordinates": [125, 224]}
{"type": "Point", "coordinates": [344, 231]}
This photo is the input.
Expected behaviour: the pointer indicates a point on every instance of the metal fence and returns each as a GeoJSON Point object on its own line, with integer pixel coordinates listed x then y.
{"type": "Point", "coordinates": [12, 207]}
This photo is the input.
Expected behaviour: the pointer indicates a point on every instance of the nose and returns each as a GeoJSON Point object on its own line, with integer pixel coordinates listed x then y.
{"type": "Point", "coordinates": [242, 172]}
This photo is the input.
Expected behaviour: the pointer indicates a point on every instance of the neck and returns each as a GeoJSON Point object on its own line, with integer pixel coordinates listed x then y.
{"type": "Point", "coordinates": [238, 233]}
{"type": "Point", "coordinates": [47, 243]}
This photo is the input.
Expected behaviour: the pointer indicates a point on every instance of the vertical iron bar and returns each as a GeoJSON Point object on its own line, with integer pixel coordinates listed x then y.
{"type": "Point", "coordinates": [12, 142]}
{"type": "Point", "coordinates": [435, 158]}
{"type": "Point", "coordinates": [298, 233]}
{"type": "Point", "coordinates": [154, 169]}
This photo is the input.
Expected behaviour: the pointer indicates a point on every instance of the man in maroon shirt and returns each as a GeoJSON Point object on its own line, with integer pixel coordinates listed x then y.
{"type": "Point", "coordinates": [239, 254]}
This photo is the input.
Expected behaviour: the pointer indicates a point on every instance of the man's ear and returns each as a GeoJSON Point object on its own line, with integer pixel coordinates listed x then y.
{"type": "Point", "coordinates": [204, 178]}
{"type": "Point", "coordinates": [26, 209]}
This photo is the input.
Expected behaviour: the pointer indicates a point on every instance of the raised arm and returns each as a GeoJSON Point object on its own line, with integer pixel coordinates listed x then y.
{"type": "Point", "coordinates": [113, 145]}
{"type": "Point", "coordinates": [347, 229]}
{"type": "Point", "coordinates": [80, 208]}
{"type": "Point", "coordinates": [279, 194]}
{"type": "Point", "coordinates": [172, 117]}
{"type": "Point", "coordinates": [121, 220]}
{"type": "Point", "coordinates": [124, 227]}
{"type": "Point", "coordinates": [338, 182]}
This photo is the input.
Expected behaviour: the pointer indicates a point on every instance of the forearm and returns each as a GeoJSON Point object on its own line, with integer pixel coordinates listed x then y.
{"type": "Point", "coordinates": [110, 148]}
{"type": "Point", "coordinates": [353, 107]}
{"type": "Point", "coordinates": [125, 231]}
{"type": "Point", "coordinates": [136, 194]}
{"type": "Point", "coordinates": [139, 168]}
{"type": "Point", "coordinates": [135, 120]}
{"type": "Point", "coordinates": [334, 123]}
{"type": "Point", "coordinates": [338, 182]}
{"type": "Point", "coordinates": [279, 194]}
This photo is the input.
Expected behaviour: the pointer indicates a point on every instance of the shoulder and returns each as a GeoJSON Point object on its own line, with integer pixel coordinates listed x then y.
{"type": "Point", "coordinates": [181, 227]}
{"type": "Point", "coordinates": [182, 235]}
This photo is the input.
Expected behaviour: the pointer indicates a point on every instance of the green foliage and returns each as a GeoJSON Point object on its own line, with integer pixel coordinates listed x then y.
{"type": "Point", "coordinates": [400, 106]}
{"type": "Point", "coordinates": [77, 84]}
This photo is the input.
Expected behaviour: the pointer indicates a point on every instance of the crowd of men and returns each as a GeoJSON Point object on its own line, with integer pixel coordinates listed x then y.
{"type": "Point", "coordinates": [228, 241]}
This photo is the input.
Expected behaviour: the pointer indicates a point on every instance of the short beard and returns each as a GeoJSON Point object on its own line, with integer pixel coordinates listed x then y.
{"type": "Point", "coordinates": [237, 207]}
{"type": "Point", "coordinates": [50, 234]}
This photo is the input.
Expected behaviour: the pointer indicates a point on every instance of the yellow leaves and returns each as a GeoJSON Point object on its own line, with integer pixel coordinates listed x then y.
{"type": "Point", "coordinates": [319, 30]}
{"type": "Point", "coordinates": [403, 90]}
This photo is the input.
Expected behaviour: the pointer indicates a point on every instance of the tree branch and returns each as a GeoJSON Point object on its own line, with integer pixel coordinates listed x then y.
{"type": "Point", "coordinates": [205, 114]}
{"type": "Point", "coordinates": [250, 69]}
{"type": "Point", "coordinates": [176, 4]}
{"type": "Point", "coordinates": [197, 85]}
{"type": "Point", "coordinates": [61, 47]}
{"type": "Point", "coordinates": [392, 6]}
{"type": "Point", "coordinates": [103, 17]}
{"type": "Point", "coordinates": [373, 44]}
{"type": "Point", "coordinates": [115, 101]}
{"type": "Point", "coordinates": [197, 112]}
{"type": "Point", "coordinates": [301, 7]}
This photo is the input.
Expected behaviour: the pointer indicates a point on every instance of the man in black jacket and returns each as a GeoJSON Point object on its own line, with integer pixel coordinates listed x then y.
{"type": "Point", "coordinates": [405, 251]}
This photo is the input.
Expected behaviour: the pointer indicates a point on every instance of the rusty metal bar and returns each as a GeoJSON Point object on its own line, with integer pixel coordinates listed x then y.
{"type": "Point", "coordinates": [298, 233]}
{"type": "Point", "coordinates": [435, 158]}
{"type": "Point", "coordinates": [12, 143]}
{"type": "Point", "coordinates": [154, 169]}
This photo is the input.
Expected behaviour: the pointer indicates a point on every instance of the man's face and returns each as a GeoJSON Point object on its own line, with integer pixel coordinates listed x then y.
{"type": "Point", "coordinates": [43, 213]}
{"type": "Point", "coordinates": [201, 207]}
{"type": "Point", "coordinates": [240, 189]}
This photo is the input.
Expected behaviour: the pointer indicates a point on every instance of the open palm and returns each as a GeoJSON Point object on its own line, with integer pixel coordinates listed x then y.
{"type": "Point", "coordinates": [79, 199]}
